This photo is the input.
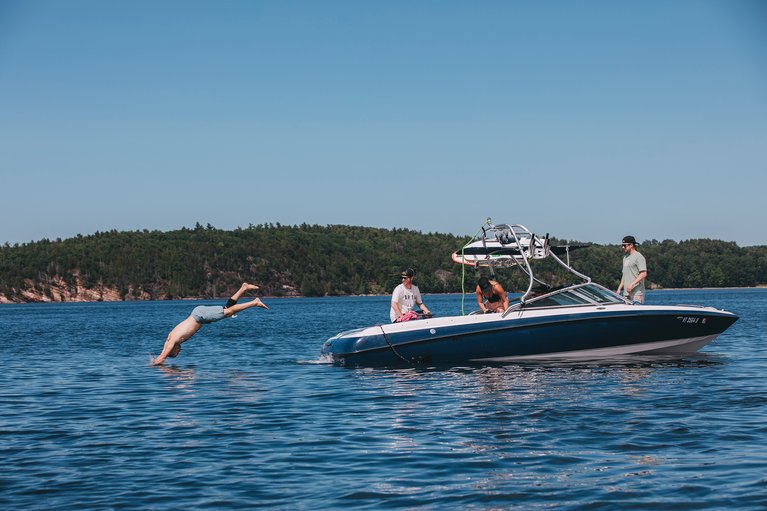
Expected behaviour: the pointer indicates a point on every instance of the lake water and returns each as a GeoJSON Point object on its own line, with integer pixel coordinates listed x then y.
{"type": "Point", "coordinates": [247, 417]}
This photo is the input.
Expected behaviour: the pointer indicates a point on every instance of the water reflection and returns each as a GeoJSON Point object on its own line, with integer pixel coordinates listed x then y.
{"type": "Point", "coordinates": [181, 379]}
{"type": "Point", "coordinates": [245, 387]}
{"type": "Point", "coordinates": [522, 381]}
{"type": "Point", "coordinates": [520, 411]}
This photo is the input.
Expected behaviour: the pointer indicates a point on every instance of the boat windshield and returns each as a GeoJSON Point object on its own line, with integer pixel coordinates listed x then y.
{"type": "Point", "coordinates": [588, 294]}
{"type": "Point", "coordinates": [598, 294]}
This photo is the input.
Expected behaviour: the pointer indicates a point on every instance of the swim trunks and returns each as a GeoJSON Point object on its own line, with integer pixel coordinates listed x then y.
{"type": "Point", "coordinates": [208, 313]}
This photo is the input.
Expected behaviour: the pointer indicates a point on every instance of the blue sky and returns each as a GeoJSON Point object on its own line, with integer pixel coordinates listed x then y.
{"type": "Point", "coordinates": [589, 120]}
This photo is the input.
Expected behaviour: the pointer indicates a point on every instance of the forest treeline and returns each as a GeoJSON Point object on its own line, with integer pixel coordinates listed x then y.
{"type": "Point", "coordinates": [314, 260]}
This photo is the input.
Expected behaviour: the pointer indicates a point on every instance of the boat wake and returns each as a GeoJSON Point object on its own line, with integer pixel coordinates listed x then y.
{"type": "Point", "coordinates": [323, 359]}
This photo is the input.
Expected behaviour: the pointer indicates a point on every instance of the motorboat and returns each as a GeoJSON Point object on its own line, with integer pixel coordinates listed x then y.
{"type": "Point", "coordinates": [579, 320]}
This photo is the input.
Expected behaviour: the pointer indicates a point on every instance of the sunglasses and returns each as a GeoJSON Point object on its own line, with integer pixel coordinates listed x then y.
{"type": "Point", "coordinates": [405, 277]}
{"type": "Point", "coordinates": [625, 244]}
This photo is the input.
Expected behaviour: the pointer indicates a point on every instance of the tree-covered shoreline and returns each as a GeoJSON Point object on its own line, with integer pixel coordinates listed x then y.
{"type": "Point", "coordinates": [314, 260]}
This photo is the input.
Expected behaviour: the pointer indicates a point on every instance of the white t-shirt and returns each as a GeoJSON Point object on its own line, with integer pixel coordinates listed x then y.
{"type": "Point", "coordinates": [406, 298]}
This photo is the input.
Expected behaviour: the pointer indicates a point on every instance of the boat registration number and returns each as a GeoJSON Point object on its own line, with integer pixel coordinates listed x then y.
{"type": "Point", "coordinates": [691, 319]}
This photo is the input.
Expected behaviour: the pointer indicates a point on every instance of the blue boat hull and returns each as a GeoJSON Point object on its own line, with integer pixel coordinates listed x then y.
{"type": "Point", "coordinates": [576, 335]}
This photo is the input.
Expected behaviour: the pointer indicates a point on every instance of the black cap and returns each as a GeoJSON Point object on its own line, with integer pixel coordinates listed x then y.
{"type": "Point", "coordinates": [408, 273]}
{"type": "Point", "coordinates": [629, 239]}
{"type": "Point", "coordinates": [483, 283]}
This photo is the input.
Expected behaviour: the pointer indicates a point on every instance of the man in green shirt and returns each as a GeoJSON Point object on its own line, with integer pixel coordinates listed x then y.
{"type": "Point", "coordinates": [634, 271]}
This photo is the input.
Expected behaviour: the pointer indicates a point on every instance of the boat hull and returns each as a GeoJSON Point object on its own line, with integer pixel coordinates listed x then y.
{"type": "Point", "coordinates": [590, 332]}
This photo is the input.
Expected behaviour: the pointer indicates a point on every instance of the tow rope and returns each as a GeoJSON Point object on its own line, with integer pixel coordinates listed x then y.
{"type": "Point", "coordinates": [386, 338]}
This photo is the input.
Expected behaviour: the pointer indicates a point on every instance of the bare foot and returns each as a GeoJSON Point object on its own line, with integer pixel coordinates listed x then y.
{"type": "Point", "coordinates": [248, 287]}
{"type": "Point", "coordinates": [259, 303]}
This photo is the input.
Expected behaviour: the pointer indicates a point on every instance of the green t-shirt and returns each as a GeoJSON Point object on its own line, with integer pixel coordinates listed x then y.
{"type": "Point", "coordinates": [633, 265]}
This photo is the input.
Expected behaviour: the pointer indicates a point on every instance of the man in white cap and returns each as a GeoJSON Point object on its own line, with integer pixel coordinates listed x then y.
{"type": "Point", "coordinates": [405, 297]}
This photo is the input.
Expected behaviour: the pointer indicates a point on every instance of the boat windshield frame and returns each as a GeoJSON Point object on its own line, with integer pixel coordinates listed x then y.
{"type": "Point", "coordinates": [576, 295]}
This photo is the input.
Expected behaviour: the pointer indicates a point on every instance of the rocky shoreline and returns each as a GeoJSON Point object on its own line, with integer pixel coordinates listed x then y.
{"type": "Point", "coordinates": [59, 291]}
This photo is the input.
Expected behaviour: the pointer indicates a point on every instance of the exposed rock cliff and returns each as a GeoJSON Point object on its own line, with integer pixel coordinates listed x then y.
{"type": "Point", "coordinates": [55, 289]}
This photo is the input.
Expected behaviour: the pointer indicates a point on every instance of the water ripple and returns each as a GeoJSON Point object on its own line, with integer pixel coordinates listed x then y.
{"type": "Point", "coordinates": [248, 417]}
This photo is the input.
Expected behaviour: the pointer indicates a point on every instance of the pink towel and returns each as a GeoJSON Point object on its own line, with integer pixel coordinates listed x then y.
{"type": "Point", "coordinates": [406, 317]}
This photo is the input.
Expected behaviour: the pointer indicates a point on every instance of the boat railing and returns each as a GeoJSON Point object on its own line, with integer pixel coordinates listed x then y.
{"type": "Point", "coordinates": [518, 247]}
{"type": "Point", "coordinates": [533, 248]}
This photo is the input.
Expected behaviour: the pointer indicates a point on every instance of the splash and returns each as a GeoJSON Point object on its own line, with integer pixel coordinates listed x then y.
{"type": "Point", "coordinates": [322, 359]}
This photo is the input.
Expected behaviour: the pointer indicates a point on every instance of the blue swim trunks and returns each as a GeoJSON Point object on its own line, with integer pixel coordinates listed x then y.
{"type": "Point", "coordinates": [208, 313]}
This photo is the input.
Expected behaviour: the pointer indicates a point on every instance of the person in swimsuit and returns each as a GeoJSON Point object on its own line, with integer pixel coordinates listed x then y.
{"type": "Point", "coordinates": [490, 296]}
{"type": "Point", "coordinates": [205, 314]}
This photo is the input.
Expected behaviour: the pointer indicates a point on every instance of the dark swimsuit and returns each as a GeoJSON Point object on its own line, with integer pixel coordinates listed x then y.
{"type": "Point", "coordinates": [493, 298]}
